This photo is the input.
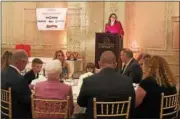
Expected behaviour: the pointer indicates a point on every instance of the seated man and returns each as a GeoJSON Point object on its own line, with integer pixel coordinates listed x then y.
{"type": "Point", "coordinates": [11, 78]}
{"type": "Point", "coordinates": [131, 67]}
{"type": "Point", "coordinates": [34, 72]}
{"type": "Point", "coordinates": [107, 83]}
{"type": "Point", "coordinates": [53, 88]}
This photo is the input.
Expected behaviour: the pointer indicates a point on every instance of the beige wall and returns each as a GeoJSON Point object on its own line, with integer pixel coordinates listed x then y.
{"type": "Point", "coordinates": [152, 27]}
{"type": "Point", "coordinates": [96, 24]}
{"type": "Point", "coordinates": [149, 27]}
{"type": "Point", "coordinates": [19, 26]}
{"type": "Point", "coordinates": [81, 35]}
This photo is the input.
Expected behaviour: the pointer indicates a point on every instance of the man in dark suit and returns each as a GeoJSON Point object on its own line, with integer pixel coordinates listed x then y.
{"type": "Point", "coordinates": [107, 83]}
{"type": "Point", "coordinates": [11, 77]}
{"type": "Point", "coordinates": [131, 67]}
{"type": "Point", "coordinates": [34, 72]}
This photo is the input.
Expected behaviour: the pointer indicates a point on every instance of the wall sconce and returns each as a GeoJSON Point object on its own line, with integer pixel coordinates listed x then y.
{"type": "Point", "coordinates": [134, 46]}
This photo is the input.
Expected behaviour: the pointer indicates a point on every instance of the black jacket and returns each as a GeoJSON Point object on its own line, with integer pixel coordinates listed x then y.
{"type": "Point", "coordinates": [106, 84]}
{"type": "Point", "coordinates": [133, 70]}
{"type": "Point", "coordinates": [30, 75]}
{"type": "Point", "coordinates": [21, 101]}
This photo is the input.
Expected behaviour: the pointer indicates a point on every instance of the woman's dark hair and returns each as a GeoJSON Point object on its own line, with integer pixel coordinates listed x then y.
{"type": "Point", "coordinates": [128, 52]}
{"type": "Point", "coordinates": [5, 59]}
{"type": "Point", "coordinates": [90, 65]}
{"type": "Point", "coordinates": [109, 21]}
{"type": "Point", "coordinates": [143, 56]}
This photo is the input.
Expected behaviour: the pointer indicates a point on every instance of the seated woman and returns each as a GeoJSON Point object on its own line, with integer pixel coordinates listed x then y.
{"type": "Point", "coordinates": [53, 89]}
{"type": "Point", "coordinates": [65, 67]}
{"type": "Point", "coordinates": [6, 60]}
{"type": "Point", "coordinates": [90, 70]}
{"type": "Point", "coordinates": [157, 79]}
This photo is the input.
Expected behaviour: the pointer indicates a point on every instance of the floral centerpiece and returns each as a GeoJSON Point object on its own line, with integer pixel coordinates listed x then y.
{"type": "Point", "coordinates": [75, 55]}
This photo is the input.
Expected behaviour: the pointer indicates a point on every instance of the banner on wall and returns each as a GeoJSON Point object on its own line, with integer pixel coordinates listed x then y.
{"type": "Point", "coordinates": [51, 18]}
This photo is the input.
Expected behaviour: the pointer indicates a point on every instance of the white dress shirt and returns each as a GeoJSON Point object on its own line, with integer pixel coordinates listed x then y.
{"type": "Point", "coordinates": [127, 65]}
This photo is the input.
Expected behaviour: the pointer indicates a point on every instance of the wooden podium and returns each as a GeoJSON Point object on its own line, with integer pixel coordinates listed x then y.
{"type": "Point", "coordinates": [108, 41]}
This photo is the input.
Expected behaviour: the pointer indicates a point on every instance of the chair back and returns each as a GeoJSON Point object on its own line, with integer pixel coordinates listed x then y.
{"type": "Point", "coordinates": [111, 109]}
{"type": "Point", "coordinates": [50, 108]}
{"type": "Point", "coordinates": [6, 103]}
{"type": "Point", "coordinates": [169, 106]}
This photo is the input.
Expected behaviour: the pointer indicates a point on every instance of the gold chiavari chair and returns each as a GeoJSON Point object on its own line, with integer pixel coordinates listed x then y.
{"type": "Point", "coordinates": [169, 106]}
{"type": "Point", "coordinates": [111, 109]}
{"type": "Point", "coordinates": [44, 72]}
{"type": "Point", "coordinates": [6, 103]}
{"type": "Point", "coordinates": [50, 108]}
{"type": "Point", "coordinates": [179, 104]}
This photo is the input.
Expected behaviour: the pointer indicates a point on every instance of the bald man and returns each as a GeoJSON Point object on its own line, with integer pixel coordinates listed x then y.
{"type": "Point", "coordinates": [105, 84]}
{"type": "Point", "coordinates": [11, 77]}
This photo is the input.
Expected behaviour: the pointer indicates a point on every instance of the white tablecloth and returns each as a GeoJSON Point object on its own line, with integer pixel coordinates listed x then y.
{"type": "Point", "coordinates": [41, 78]}
{"type": "Point", "coordinates": [75, 89]}
{"type": "Point", "coordinates": [74, 83]}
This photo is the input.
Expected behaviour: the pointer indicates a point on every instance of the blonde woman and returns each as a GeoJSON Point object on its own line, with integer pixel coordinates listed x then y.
{"type": "Point", "coordinates": [157, 78]}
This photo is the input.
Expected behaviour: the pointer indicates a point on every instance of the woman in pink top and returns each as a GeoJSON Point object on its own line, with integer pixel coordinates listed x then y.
{"type": "Point", "coordinates": [114, 26]}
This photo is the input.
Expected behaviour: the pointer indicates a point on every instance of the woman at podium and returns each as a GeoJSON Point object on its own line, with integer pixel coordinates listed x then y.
{"type": "Point", "coordinates": [114, 26]}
